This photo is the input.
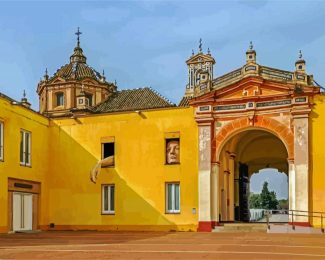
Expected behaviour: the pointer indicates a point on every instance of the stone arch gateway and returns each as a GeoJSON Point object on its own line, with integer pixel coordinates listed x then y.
{"type": "Point", "coordinates": [252, 103]}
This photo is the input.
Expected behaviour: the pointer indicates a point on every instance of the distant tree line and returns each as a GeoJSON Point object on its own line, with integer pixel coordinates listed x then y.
{"type": "Point", "coordinates": [266, 200]}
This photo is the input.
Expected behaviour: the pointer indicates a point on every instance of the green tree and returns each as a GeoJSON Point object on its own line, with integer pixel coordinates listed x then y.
{"type": "Point", "coordinates": [283, 204]}
{"type": "Point", "coordinates": [254, 201]}
{"type": "Point", "coordinates": [273, 201]}
{"type": "Point", "coordinates": [268, 199]}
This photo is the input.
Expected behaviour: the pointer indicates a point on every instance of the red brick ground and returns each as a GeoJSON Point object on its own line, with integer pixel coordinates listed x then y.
{"type": "Point", "coordinates": [160, 245]}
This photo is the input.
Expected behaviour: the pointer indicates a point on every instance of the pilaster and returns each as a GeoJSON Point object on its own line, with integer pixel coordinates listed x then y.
{"type": "Point", "coordinates": [300, 182]}
{"type": "Point", "coordinates": [205, 136]}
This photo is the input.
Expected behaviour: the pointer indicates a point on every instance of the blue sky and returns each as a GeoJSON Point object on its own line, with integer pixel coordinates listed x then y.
{"type": "Point", "coordinates": [146, 43]}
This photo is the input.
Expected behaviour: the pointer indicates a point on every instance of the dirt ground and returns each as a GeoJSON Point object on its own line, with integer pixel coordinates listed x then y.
{"type": "Point", "coordinates": [160, 245]}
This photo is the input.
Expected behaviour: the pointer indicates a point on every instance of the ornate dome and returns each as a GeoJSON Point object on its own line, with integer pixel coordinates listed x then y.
{"type": "Point", "coordinates": [78, 69]}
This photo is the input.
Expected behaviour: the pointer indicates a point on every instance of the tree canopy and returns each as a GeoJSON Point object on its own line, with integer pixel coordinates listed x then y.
{"type": "Point", "coordinates": [266, 200]}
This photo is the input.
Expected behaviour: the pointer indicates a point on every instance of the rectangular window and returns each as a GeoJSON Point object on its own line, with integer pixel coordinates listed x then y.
{"type": "Point", "coordinates": [108, 153]}
{"type": "Point", "coordinates": [1, 141]}
{"type": "Point", "coordinates": [25, 140]}
{"type": "Point", "coordinates": [59, 99]}
{"type": "Point", "coordinates": [108, 199]}
{"type": "Point", "coordinates": [172, 197]}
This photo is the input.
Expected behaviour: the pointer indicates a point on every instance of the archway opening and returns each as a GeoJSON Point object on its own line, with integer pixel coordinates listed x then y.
{"type": "Point", "coordinates": [268, 191]}
{"type": "Point", "coordinates": [250, 154]}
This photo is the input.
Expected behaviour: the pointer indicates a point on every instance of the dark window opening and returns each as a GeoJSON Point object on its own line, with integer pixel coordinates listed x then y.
{"type": "Point", "coordinates": [108, 150]}
{"type": "Point", "coordinates": [90, 99]}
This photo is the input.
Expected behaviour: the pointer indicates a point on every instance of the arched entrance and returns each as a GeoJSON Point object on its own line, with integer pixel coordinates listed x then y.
{"type": "Point", "coordinates": [244, 153]}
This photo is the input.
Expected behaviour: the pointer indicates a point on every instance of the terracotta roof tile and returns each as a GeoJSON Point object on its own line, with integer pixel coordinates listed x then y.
{"type": "Point", "coordinates": [131, 100]}
{"type": "Point", "coordinates": [184, 102]}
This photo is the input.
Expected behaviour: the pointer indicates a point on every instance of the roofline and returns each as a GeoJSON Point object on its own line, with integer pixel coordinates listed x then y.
{"type": "Point", "coordinates": [17, 103]}
{"type": "Point", "coordinates": [117, 113]}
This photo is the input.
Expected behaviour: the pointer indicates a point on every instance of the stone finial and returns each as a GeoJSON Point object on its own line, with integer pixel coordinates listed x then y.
{"type": "Point", "coordinates": [192, 52]}
{"type": "Point", "coordinates": [24, 100]}
{"type": "Point", "coordinates": [300, 55]}
{"type": "Point", "coordinates": [251, 45]}
{"type": "Point", "coordinates": [46, 75]}
{"type": "Point", "coordinates": [103, 78]}
{"type": "Point", "coordinates": [200, 45]}
{"type": "Point", "coordinates": [209, 53]}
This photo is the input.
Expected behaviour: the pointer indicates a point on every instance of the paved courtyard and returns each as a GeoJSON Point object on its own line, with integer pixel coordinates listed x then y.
{"type": "Point", "coordinates": [161, 245]}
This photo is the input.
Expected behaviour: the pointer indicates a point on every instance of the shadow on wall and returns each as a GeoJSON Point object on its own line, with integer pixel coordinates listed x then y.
{"type": "Point", "coordinates": [75, 202]}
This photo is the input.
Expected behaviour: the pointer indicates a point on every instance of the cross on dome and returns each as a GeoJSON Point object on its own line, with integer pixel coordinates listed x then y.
{"type": "Point", "coordinates": [78, 33]}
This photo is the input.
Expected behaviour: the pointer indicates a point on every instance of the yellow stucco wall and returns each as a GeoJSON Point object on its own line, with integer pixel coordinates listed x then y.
{"type": "Point", "coordinates": [65, 150]}
{"type": "Point", "coordinates": [317, 157]}
{"type": "Point", "coordinates": [15, 118]}
{"type": "Point", "coordinates": [139, 174]}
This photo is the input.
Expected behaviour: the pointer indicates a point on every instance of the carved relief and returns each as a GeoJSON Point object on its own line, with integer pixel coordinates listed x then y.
{"type": "Point", "coordinates": [204, 142]}
{"type": "Point", "coordinates": [301, 137]}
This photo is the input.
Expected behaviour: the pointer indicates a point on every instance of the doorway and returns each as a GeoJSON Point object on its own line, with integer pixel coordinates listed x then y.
{"type": "Point", "coordinates": [23, 205]}
{"type": "Point", "coordinates": [22, 211]}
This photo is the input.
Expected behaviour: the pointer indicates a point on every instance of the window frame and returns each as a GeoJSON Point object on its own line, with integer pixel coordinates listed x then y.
{"type": "Point", "coordinates": [173, 210]}
{"type": "Point", "coordinates": [1, 141]}
{"type": "Point", "coordinates": [110, 211]}
{"type": "Point", "coordinates": [23, 134]}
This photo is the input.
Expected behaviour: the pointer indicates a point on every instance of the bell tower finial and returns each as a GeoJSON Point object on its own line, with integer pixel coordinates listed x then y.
{"type": "Point", "coordinates": [251, 54]}
{"type": "Point", "coordinates": [78, 37]}
{"type": "Point", "coordinates": [300, 63]}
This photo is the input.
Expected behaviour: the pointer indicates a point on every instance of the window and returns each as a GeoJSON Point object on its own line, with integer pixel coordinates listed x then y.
{"type": "Point", "coordinates": [1, 141]}
{"type": "Point", "coordinates": [90, 99]}
{"type": "Point", "coordinates": [25, 140]}
{"type": "Point", "coordinates": [108, 152]}
{"type": "Point", "coordinates": [172, 198]}
{"type": "Point", "coordinates": [108, 199]}
{"type": "Point", "coordinates": [59, 99]}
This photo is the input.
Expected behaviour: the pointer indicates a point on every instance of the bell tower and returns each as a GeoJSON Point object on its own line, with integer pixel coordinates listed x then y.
{"type": "Point", "coordinates": [200, 72]}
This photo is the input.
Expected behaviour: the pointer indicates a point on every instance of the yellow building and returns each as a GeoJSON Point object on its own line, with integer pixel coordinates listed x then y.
{"type": "Point", "coordinates": [96, 158]}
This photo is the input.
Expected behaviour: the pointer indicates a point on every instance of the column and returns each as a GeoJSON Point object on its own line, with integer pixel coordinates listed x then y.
{"type": "Point", "coordinates": [231, 187]}
{"type": "Point", "coordinates": [225, 209]}
{"type": "Point", "coordinates": [205, 222]}
{"type": "Point", "coordinates": [215, 193]}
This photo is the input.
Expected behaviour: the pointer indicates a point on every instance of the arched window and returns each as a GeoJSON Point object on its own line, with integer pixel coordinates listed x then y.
{"type": "Point", "coordinates": [59, 99]}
